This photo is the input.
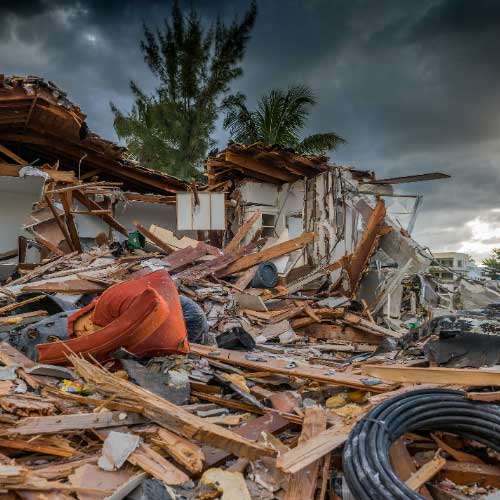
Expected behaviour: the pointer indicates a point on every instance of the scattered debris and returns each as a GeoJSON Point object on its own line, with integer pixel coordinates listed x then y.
{"type": "Point", "coordinates": [238, 357]}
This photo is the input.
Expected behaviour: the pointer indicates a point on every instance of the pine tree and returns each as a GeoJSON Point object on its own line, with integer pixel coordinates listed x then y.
{"type": "Point", "coordinates": [171, 130]}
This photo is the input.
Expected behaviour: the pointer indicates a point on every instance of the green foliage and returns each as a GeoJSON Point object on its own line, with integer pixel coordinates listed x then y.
{"type": "Point", "coordinates": [279, 118]}
{"type": "Point", "coordinates": [492, 264]}
{"type": "Point", "coordinates": [171, 130]}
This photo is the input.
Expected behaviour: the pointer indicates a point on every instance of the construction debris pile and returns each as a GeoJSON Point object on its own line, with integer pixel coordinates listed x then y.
{"type": "Point", "coordinates": [273, 334]}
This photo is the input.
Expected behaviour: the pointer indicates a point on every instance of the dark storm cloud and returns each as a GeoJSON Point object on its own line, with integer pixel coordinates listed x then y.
{"type": "Point", "coordinates": [413, 86]}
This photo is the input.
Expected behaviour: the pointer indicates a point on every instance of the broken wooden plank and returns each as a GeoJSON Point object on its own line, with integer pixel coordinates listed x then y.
{"type": "Point", "coordinates": [458, 455]}
{"type": "Point", "coordinates": [72, 422]}
{"type": "Point", "coordinates": [9, 355]}
{"type": "Point", "coordinates": [185, 256]}
{"type": "Point", "coordinates": [433, 375]}
{"type": "Point", "coordinates": [288, 367]}
{"type": "Point", "coordinates": [169, 415]}
{"type": "Point", "coordinates": [304, 455]}
{"type": "Point", "coordinates": [77, 286]}
{"type": "Point", "coordinates": [425, 473]}
{"type": "Point", "coordinates": [154, 239]}
{"type": "Point", "coordinates": [302, 485]}
{"type": "Point", "coordinates": [92, 475]}
{"type": "Point", "coordinates": [242, 232]}
{"type": "Point", "coordinates": [270, 253]}
{"type": "Point", "coordinates": [245, 279]}
{"type": "Point", "coordinates": [48, 245]}
{"type": "Point", "coordinates": [61, 470]}
{"type": "Point", "coordinates": [22, 303]}
{"type": "Point", "coordinates": [199, 271]}
{"type": "Point", "coordinates": [181, 450]}
{"type": "Point", "coordinates": [270, 423]}
{"type": "Point", "coordinates": [359, 259]}
{"type": "Point", "coordinates": [368, 326]}
{"type": "Point", "coordinates": [38, 445]}
{"type": "Point", "coordinates": [40, 270]}
{"type": "Point", "coordinates": [92, 205]}
{"type": "Point", "coordinates": [151, 462]}
{"type": "Point", "coordinates": [484, 396]}
{"type": "Point", "coordinates": [403, 465]}
{"type": "Point", "coordinates": [467, 473]}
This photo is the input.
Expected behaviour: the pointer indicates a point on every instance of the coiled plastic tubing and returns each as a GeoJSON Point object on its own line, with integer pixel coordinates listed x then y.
{"type": "Point", "coordinates": [366, 461]}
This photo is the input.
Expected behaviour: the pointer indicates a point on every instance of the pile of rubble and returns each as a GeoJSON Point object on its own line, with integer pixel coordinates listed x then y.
{"type": "Point", "coordinates": [271, 334]}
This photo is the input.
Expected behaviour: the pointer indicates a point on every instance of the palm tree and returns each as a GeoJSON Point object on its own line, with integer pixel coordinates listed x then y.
{"type": "Point", "coordinates": [279, 118]}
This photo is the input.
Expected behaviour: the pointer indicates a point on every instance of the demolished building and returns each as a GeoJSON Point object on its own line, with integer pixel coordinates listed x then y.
{"type": "Point", "coordinates": [321, 357]}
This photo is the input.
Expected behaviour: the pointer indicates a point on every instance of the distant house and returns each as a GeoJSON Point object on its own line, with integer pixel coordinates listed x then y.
{"type": "Point", "coordinates": [450, 265]}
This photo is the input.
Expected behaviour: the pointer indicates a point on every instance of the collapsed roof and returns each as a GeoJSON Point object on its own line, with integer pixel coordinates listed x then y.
{"type": "Point", "coordinates": [273, 164]}
{"type": "Point", "coordinates": [38, 122]}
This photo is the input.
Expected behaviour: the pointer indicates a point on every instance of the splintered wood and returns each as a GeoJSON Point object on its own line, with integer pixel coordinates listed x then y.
{"type": "Point", "coordinates": [169, 415]}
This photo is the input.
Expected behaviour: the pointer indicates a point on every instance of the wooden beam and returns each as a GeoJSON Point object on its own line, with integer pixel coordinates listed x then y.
{"type": "Point", "coordinates": [260, 167]}
{"type": "Point", "coordinates": [242, 232]}
{"type": "Point", "coordinates": [467, 473]}
{"type": "Point", "coordinates": [7, 152]}
{"type": "Point", "coordinates": [366, 247]}
{"type": "Point", "coordinates": [253, 259]}
{"type": "Point", "coordinates": [92, 205]}
{"type": "Point", "coordinates": [302, 485]}
{"type": "Point", "coordinates": [16, 305]}
{"type": "Point", "coordinates": [484, 396]}
{"type": "Point", "coordinates": [157, 241]}
{"type": "Point", "coordinates": [60, 223]}
{"type": "Point", "coordinates": [432, 375]}
{"type": "Point", "coordinates": [44, 446]}
{"type": "Point", "coordinates": [368, 326]}
{"type": "Point", "coordinates": [151, 198]}
{"type": "Point", "coordinates": [88, 185]}
{"type": "Point", "coordinates": [70, 286]}
{"type": "Point", "coordinates": [48, 245]}
{"type": "Point", "coordinates": [70, 222]}
{"type": "Point", "coordinates": [55, 424]}
{"type": "Point", "coordinates": [9, 170]}
{"type": "Point", "coordinates": [287, 367]}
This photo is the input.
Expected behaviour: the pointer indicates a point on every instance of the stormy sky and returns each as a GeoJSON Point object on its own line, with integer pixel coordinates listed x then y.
{"type": "Point", "coordinates": [412, 85]}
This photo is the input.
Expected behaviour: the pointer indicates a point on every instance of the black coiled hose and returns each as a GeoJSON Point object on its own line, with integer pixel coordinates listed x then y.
{"type": "Point", "coordinates": [366, 462]}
